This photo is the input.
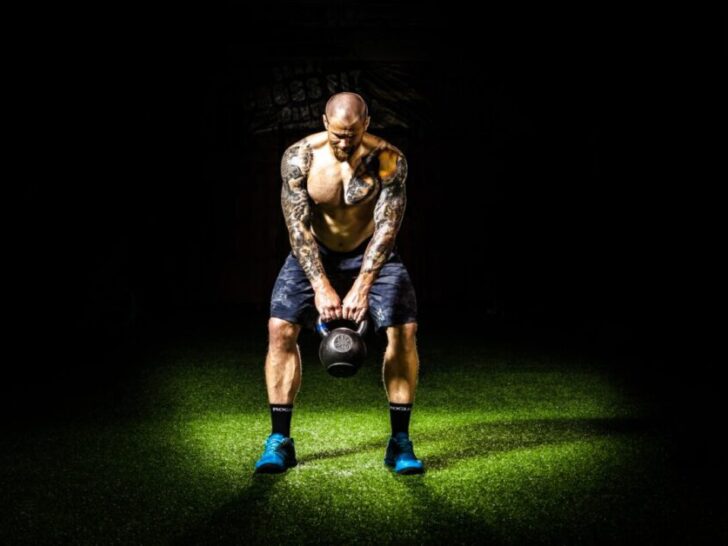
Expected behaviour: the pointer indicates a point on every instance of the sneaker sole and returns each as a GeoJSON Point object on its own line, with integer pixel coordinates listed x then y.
{"type": "Point", "coordinates": [405, 471]}
{"type": "Point", "coordinates": [273, 468]}
{"type": "Point", "coordinates": [411, 470]}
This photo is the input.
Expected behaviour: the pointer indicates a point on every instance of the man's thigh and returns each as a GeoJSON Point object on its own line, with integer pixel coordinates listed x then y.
{"type": "Point", "coordinates": [392, 298]}
{"type": "Point", "coordinates": [292, 298]}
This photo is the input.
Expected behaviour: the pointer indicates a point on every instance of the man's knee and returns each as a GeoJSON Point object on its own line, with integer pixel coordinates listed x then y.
{"type": "Point", "coordinates": [282, 334]}
{"type": "Point", "coordinates": [402, 337]}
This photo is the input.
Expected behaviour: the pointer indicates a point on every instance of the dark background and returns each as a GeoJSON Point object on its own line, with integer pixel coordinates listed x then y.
{"type": "Point", "coordinates": [538, 204]}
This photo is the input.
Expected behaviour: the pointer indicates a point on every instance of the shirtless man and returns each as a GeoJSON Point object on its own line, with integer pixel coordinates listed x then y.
{"type": "Point", "coordinates": [343, 200]}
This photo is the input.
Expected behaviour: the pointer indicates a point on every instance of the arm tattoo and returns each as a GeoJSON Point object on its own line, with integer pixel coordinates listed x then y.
{"type": "Point", "coordinates": [364, 181]}
{"type": "Point", "coordinates": [295, 166]}
{"type": "Point", "coordinates": [388, 214]}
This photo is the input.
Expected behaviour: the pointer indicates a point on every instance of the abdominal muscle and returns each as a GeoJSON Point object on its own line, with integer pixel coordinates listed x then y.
{"type": "Point", "coordinates": [343, 232]}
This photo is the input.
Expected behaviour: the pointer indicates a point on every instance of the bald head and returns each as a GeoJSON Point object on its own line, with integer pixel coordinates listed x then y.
{"type": "Point", "coordinates": [346, 120]}
{"type": "Point", "coordinates": [347, 107]}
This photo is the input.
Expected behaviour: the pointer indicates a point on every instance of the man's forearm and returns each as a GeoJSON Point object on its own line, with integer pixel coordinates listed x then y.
{"type": "Point", "coordinates": [376, 255]}
{"type": "Point", "coordinates": [303, 245]}
{"type": "Point", "coordinates": [307, 253]}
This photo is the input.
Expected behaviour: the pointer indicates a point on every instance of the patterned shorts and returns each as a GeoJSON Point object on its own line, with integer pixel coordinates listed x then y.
{"type": "Point", "coordinates": [392, 297]}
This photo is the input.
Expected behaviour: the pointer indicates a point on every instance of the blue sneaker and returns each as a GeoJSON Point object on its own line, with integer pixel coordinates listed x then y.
{"type": "Point", "coordinates": [401, 456]}
{"type": "Point", "coordinates": [279, 455]}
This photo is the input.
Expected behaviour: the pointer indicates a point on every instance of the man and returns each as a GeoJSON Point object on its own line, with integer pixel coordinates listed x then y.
{"type": "Point", "coordinates": [343, 200]}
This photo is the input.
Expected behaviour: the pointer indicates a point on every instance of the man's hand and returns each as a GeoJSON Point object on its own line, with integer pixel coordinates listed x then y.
{"type": "Point", "coordinates": [356, 302]}
{"type": "Point", "coordinates": [328, 303]}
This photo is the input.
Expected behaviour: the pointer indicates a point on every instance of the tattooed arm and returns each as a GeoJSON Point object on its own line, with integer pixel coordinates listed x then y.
{"type": "Point", "coordinates": [295, 166]}
{"type": "Point", "coordinates": [388, 214]}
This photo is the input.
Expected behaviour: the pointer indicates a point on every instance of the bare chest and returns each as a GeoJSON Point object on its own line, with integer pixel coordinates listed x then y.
{"type": "Point", "coordinates": [334, 184]}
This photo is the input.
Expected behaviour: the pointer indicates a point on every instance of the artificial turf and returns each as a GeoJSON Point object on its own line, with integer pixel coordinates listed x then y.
{"type": "Point", "coordinates": [520, 447]}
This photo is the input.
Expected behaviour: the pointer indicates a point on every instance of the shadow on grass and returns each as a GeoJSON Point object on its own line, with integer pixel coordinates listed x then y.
{"type": "Point", "coordinates": [442, 524]}
{"type": "Point", "coordinates": [245, 518]}
{"type": "Point", "coordinates": [476, 439]}
{"type": "Point", "coordinates": [239, 520]}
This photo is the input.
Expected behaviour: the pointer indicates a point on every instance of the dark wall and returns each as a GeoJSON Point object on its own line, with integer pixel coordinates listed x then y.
{"type": "Point", "coordinates": [155, 184]}
{"type": "Point", "coordinates": [528, 191]}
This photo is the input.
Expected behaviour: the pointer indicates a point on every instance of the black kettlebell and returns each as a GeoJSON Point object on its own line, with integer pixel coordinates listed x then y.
{"type": "Point", "coordinates": [342, 350]}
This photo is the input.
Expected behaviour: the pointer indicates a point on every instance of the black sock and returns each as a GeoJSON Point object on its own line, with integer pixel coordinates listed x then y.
{"type": "Point", "coordinates": [281, 418]}
{"type": "Point", "coordinates": [399, 416]}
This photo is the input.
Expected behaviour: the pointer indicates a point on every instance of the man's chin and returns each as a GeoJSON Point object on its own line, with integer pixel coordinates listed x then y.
{"type": "Point", "coordinates": [342, 155]}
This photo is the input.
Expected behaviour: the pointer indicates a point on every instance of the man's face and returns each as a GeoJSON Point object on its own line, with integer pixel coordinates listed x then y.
{"type": "Point", "coordinates": [344, 137]}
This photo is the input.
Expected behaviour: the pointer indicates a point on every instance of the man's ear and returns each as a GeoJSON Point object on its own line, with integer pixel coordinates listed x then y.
{"type": "Point", "coordinates": [326, 121]}
{"type": "Point", "coordinates": [366, 124]}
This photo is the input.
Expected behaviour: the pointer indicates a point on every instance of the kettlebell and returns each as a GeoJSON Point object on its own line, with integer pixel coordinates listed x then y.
{"type": "Point", "coordinates": [342, 350]}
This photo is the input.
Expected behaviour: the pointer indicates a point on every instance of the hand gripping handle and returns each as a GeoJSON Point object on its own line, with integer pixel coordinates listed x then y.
{"type": "Point", "coordinates": [324, 331]}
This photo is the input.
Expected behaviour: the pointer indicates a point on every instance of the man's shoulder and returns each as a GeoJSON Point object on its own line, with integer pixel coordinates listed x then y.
{"type": "Point", "coordinates": [308, 143]}
{"type": "Point", "coordinates": [391, 159]}
{"type": "Point", "coordinates": [299, 155]}
{"type": "Point", "coordinates": [381, 146]}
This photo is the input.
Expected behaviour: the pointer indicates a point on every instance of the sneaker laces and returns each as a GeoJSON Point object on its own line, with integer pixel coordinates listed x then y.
{"type": "Point", "coordinates": [272, 443]}
{"type": "Point", "coordinates": [405, 445]}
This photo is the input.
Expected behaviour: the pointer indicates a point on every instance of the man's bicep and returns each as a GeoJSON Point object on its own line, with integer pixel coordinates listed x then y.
{"type": "Point", "coordinates": [296, 161]}
{"type": "Point", "coordinates": [294, 201]}
{"type": "Point", "coordinates": [295, 166]}
{"type": "Point", "coordinates": [390, 207]}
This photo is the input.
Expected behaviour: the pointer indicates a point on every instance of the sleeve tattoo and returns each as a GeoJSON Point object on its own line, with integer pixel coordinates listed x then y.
{"type": "Point", "coordinates": [295, 166]}
{"type": "Point", "coordinates": [388, 214]}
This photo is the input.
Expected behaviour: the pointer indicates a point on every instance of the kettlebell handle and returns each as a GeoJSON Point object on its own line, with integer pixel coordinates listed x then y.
{"type": "Point", "coordinates": [324, 331]}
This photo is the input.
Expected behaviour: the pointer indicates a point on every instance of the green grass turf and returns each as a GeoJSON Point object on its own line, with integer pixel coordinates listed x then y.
{"type": "Point", "coordinates": [518, 449]}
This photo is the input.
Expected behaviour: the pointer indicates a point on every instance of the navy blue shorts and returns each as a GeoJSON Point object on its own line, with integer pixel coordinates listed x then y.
{"type": "Point", "coordinates": [392, 297]}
